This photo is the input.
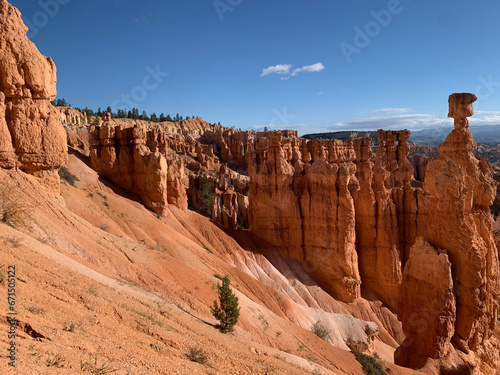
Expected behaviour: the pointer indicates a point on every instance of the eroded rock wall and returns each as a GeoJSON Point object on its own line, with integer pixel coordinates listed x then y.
{"type": "Point", "coordinates": [122, 155]}
{"type": "Point", "coordinates": [227, 193]}
{"type": "Point", "coordinates": [301, 202]}
{"type": "Point", "coordinates": [385, 212]}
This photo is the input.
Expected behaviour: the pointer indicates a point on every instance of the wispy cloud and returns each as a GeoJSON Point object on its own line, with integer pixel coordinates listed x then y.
{"type": "Point", "coordinates": [318, 67]}
{"type": "Point", "coordinates": [487, 113]}
{"type": "Point", "coordinates": [393, 111]}
{"type": "Point", "coordinates": [284, 69]}
{"type": "Point", "coordinates": [413, 121]}
{"type": "Point", "coordinates": [485, 118]}
{"type": "Point", "coordinates": [276, 69]}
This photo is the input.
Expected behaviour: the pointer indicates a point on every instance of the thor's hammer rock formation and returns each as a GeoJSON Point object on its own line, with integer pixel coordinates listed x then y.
{"type": "Point", "coordinates": [448, 302]}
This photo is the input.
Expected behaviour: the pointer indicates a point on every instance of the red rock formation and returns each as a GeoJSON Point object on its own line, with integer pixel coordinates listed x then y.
{"type": "Point", "coordinates": [419, 157]}
{"type": "Point", "coordinates": [122, 156]}
{"type": "Point", "coordinates": [496, 233]}
{"type": "Point", "coordinates": [78, 138]}
{"type": "Point", "coordinates": [300, 202]}
{"type": "Point", "coordinates": [385, 213]}
{"type": "Point", "coordinates": [366, 215]}
{"type": "Point", "coordinates": [31, 136]}
{"type": "Point", "coordinates": [230, 197]}
{"type": "Point", "coordinates": [72, 116]}
{"type": "Point", "coordinates": [428, 327]}
{"type": "Point", "coordinates": [454, 221]}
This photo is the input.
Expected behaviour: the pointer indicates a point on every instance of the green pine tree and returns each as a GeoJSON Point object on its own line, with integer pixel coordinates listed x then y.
{"type": "Point", "coordinates": [228, 312]}
{"type": "Point", "coordinates": [207, 196]}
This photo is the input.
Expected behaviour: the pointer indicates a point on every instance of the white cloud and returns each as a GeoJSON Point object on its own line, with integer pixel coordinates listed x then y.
{"type": "Point", "coordinates": [318, 67]}
{"type": "Point", "coordinates": [393, 111]}
{"type": "Point", "coordinates": [414, 121]}
{"type": "Point", "coordinates": [487, 113]}
{"type": "Point", "coordinates": [284, 69]}
{"type": "Point", "coordinates": [485, 118]}
{"type": "Point", "coordinates": [276, 69]}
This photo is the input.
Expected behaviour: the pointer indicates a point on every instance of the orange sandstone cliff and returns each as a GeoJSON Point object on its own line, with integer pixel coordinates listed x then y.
{"type": "Point", "coordinates": [135, 159]}
{"type": "Point", "coordinates": [301, 202]}
{"type": "Point", "coordinates": [31, 136]}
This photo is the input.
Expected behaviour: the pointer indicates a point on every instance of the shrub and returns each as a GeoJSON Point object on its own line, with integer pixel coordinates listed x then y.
{"type": "Point", "coordinates": [69, 327]}
{"type": "Point", "coordinates": [228, 312]}
{"type": "Point", "coordinates": [241, 224]}
{"type": "Point", "coordinates": [370, 364]}
{"type": "Point", "coordinates": [36, 310]}
{"type": "Point", "coordinates": [56, 361]}
{"type": "Point", "coordinates": [197, 355]}
{"type": "Point", "coordinates": [321, 331]}
{"type": "Point", "coordinates": [66, 175]}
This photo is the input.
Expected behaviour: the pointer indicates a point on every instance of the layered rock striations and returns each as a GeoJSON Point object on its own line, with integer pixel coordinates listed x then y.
{"type": "Point", "coordinates": [31, 136]}
{"type": "Point", "coordinates": [301, 202]}
{"type": "Point", "coordinates": [458, 306]}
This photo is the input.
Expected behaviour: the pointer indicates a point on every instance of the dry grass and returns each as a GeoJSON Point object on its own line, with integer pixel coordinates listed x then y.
{"type": "Point", "coordinates": [13, 210]}
{"type": "Point", "coordinates": [92, 366]}
{"type": "Point", "coordinates": [55, 361]}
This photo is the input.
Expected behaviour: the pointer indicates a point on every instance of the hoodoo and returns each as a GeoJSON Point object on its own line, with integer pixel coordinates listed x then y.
{"type": "Point", "coordinates": [448, 302]}
{"type": "Point", "coordinates": [31, 136]}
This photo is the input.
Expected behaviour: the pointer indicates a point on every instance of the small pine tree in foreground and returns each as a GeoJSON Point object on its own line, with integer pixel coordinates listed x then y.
{"type": "Point", "coordinates": [228, 312]}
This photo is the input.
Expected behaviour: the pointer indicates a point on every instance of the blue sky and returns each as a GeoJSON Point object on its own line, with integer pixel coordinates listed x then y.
{"type": "Point", "coordinates": [318, 65]}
